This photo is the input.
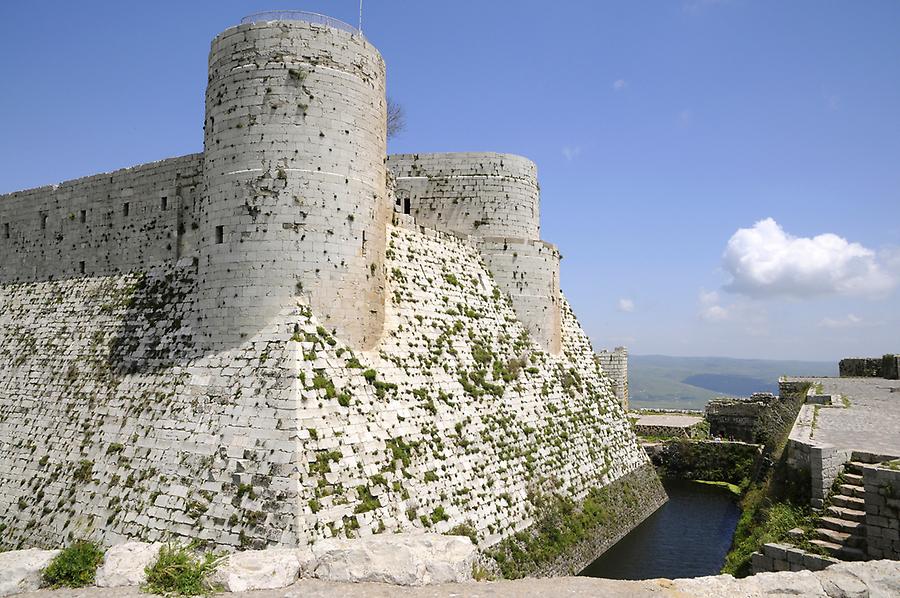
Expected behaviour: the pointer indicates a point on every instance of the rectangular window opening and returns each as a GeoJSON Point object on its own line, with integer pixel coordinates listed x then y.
{"type": "Point", "coordinates": [406, 206]}
{"type": "Point", "coordinates": [81, 267]}
{"type": "Point", "coordinates": [43, 221]}
{"type": "Point", "coordinates": [82, 216]}
{"type": "Point", "coordinates": [220, 234]}
{"type": "Point", "coordinates": [6, 230]}
{"type": "Point", "coordinates": [126, 208]}
{"type": "Point", "coordinates": [163, 203]}
{"type": "Point", "coordinates": [364, 242]}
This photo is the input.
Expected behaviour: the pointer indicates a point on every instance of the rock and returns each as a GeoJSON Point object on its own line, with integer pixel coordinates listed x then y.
{"type": "Point", "coordinates": [881, 578]}
{"type": "Point", "coordinates": [402, 559]}
{"type": "Point", "coordinates": [20, 570]}
{"type": "Point", "coordinates": [259, 569]}
{"type": "Point", "coordinates": [124, 564]}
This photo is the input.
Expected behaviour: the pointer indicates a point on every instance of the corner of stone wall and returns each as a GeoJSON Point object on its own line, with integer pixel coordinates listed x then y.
{"type": "Point", "coordinates": [882, 484]}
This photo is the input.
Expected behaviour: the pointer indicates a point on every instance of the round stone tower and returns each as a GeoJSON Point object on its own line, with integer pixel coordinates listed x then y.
{"type": "Point", "coordinates": [294, 202]}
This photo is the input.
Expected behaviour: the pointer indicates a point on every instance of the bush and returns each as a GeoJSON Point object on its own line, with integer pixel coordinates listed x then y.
{"type": "Point", "coordinates": [177, 570]}
{"type": "Point", "coordinates": [74, 567]}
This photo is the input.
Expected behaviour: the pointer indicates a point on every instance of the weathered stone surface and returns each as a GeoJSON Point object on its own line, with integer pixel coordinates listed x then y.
{"type": "Point", "coordinates": [402, 559]}
{"type": "Point", "coordinates": [880, 578]}
{"type": "Point", "coordinates": [124, 564]}
{"type": "Point", "coordinates": [20, 570]}
{"type": "Point", "coordinates": [258, 570]}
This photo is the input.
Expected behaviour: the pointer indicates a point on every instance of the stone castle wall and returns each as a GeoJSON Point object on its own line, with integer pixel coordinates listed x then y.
{"type": "Point", "coordinates": [479, 194]}
{"type": "Point", "coordinates": [528, 271]}
{"type": "Point", "coordinates": [615, 365]}
{"type": "Point", "coordinates": [241, 347]}
{"type": "Point", "coordinates": [103, 224]}
{"type": "Point", "coordinates": [295, 181]}
{"type": "Point", "coordinates": [114, 424]}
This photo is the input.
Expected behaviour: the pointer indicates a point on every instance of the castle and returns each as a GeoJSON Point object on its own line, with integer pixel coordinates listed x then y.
{"type": "Point", "coordinates": [293, 336]}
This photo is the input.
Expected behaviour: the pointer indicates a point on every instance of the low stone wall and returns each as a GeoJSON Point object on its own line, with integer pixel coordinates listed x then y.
{"type": "Point", "coordinates": [882, 483]}
{"type": "Point", "coordinates": [781, 557]}
{"type": "Point", "coordinates": [731, 462]}
{"type": "Point", "coordinates": [808, 459]}
{"type": "Point", "coordinates": [668, 431]}
{"type": "Point", "coordinates": [886, 366]}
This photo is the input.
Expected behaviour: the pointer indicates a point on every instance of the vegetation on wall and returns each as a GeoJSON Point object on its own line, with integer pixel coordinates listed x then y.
{"type": "Point", "coordinates": [775, 504]}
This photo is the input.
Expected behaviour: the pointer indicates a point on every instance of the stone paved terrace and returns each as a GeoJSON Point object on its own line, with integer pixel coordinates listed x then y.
{"type": "Point", "coordinates": [870, 579]}
{"type": "Point", "coordinates": [669, 421]}
{"type": "Point", "coordinates": [872, 422]}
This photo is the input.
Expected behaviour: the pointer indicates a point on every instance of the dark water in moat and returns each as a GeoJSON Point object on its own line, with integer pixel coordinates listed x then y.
{"type": "Point", "coordinates": [687, 537]}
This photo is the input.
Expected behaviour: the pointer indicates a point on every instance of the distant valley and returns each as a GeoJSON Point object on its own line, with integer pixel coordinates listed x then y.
{"type": "Point", "coordinates": [663, 382]}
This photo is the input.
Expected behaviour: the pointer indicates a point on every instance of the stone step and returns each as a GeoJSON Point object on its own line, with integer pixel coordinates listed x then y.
{"type": "Point", "coordinates": [846, 514]}
{"type": "Point", "coordinates": [844, 539]}
{"type": "Point", "coordinates": [853, 478]}
{"type": "Point", "coordinates": [854, 467]}
{"type": "Point", "coordinates": [852, 490]}
{"type": "Point", "coordinates": [850, 502]}
{"type": "Point", "coordinates": [842, 525]}
{"type": "Point", "coordinates": [841, 552]}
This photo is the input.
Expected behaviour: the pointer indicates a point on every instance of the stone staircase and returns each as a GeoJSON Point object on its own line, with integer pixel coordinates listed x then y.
{"type": "Point", "coordinates": [842, 531]}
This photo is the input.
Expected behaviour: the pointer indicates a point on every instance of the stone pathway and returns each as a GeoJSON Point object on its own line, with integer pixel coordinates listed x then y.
{"type": "Point", "coordinates": [872, 422]}
{"type": "Point", "coordinates": [669, 421]}
{"type": "Point", "coordinates": [873, 578]}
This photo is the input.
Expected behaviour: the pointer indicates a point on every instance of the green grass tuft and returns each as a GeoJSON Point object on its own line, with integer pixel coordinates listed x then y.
{"type": "Point", "coordinates": [74, 567]}
{"type": "Point", "coordinates": [178, 571]}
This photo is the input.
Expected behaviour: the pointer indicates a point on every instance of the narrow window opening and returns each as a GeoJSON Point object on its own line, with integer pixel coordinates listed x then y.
{"type": "Point", "coordinates": [81, 267]}
{"type": "Point", "coordinates": [126, 208]}
{"type": "Point", "coordinates": [364, 242]}
{"type": "Point", "coordinates": [6, 230]}
{"type": "Point", "coordinates": [397, 202]}
{"type": "Point", "coordinates": [406, 206]}
{"type": "Point", "coordinates": [82, 216]}
{"type": "Point", "coordinates": [220, 234]}
{"type": "Point", "coordinates": [43, 221]}
{"type": "Point", "coordinates": [163, 203]}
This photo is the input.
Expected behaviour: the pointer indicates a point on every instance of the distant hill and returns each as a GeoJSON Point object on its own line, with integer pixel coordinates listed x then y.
{"type": "Point", "coordinates": [663, 382]}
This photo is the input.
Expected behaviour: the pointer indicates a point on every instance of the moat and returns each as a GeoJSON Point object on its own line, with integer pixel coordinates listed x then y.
{"type": "Point", "coordinates": [687, 537]}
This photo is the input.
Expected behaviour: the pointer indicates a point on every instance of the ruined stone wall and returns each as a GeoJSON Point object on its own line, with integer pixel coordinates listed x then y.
{"type": "Point", "coordinates": [886, 366]}
{"type": "Point", "coordinates": [528, 271]}
{"type": "Point", "coordinates": [615, 364]}
{"type": "Point", "coordinates": [478, 193]}
{"type": "Point", "coordinates": [295, 180]}
{"type": "Point", "coordinates": [115, 424]}
{"type": "Point", "coordinates": [737, 419]}
{"type": "Point", "coordinates": [103, 224]}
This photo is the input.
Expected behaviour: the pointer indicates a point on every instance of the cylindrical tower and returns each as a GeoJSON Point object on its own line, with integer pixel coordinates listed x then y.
{"type": "Point", "coordinates": [294, 202]}
{"type": "Point", "coordinates": [483, 194]}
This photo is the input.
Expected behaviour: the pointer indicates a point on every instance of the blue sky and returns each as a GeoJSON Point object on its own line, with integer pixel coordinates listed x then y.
{"type": "Point", "coordinates": [722, 177]}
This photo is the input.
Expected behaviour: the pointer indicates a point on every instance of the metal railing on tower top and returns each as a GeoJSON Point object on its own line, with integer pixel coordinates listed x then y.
{"type": "Point", "coordinates": [298, 15]}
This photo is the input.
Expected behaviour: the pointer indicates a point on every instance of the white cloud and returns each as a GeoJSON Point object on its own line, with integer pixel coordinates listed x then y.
{"type": "Point", "coordinates": [765, 261]}
{"type": "Point", "coordinates": [626, 305]}
{"type": "Point", "coordinates": [848, 321]}
{"type": "Point", "coordinates": [619, 84]}
{"type": "Point", "coordinates": [570, 152]}
{"type": "Point", "coordinates": [710, 310]}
